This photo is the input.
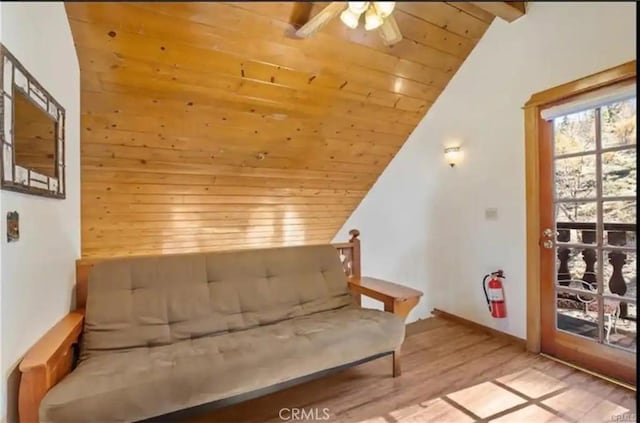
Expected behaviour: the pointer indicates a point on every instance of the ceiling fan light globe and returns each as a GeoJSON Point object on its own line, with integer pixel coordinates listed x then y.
{"type": "Point", "coordinates": [358, 7]}
{"type": "Point", "coordinates": [349, 18]}
{"type": "Point", "coordinates": [384, 8]}
{"type": "Point", "coordinates": [372, 20]}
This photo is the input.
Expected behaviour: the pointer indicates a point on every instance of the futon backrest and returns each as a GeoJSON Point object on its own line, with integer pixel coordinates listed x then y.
{"type": "Point", "coordinates": [148, 301]}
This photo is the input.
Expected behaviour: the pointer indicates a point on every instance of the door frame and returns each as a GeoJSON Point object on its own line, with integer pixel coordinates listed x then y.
{"type": "Point", "coordinates": [534, 127]}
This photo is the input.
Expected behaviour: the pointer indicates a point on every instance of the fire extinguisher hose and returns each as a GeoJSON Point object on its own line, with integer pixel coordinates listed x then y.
{"type": "Point", "coordinates": [484, 288]}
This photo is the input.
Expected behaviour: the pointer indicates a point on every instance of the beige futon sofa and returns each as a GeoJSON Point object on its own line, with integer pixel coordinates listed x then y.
{"type": "Point", "coordinates": [166, 333]}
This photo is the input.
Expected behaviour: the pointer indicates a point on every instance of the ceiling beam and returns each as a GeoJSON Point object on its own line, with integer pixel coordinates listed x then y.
{"type": "Point", "coordinates": [507, 10]}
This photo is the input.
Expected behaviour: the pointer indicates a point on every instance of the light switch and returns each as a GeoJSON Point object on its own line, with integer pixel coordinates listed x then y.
{"type": "Point", "coordinates": [491, 214]}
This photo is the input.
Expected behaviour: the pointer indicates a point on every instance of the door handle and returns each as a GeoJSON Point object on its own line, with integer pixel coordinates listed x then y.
{"type": "Point", "coordinates": [548, 244]}
{"type": "Point", "coordinates": [548, 233]}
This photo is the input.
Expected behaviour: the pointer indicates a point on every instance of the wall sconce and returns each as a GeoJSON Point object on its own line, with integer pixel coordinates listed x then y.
{"type": "Point", "coordinates": [452, 154]}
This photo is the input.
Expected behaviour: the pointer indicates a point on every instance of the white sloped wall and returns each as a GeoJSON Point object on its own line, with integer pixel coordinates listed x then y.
{"type": "Point", "coordinates": [423, 223]}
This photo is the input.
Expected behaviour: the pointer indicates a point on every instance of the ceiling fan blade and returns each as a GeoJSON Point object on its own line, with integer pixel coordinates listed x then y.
{"type": "Point", "coordinates": [300, 14]}
{"type": "Point", "coordinates": [321, 19]}
{"type": "Point", "coordinates": [389, 31]}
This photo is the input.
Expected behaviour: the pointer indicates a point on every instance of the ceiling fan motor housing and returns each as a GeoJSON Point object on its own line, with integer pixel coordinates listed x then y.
{"type": "Point", "coordinates": [377, 15]}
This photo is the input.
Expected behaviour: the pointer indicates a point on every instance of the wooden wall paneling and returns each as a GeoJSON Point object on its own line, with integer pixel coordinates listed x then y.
{"type": "Point", "coordinates": [446, 16]}
{"type": "Point", "coordinates": [253, 157]}
{"type": "Point", "coordinates": [102, 104]}
{"type": "Point", "coordinates": [105, 63]}
{"type": "Point", "coordinates": [227, 60]}
{"type": "Point", "coordinates": [238, 22]}
{"type": "Point", "coordinates": [473, 10]}
{"type": "Point", "coordinates": [141, 177]}
{"type": "Point", "coordinates": [321, 152]}
{"type": "Point", "coordinates": [158, 189]}
{"type": "Point", "coordinates": [265, 16]}
{"type": "Point", "coordinates": [205, 126]}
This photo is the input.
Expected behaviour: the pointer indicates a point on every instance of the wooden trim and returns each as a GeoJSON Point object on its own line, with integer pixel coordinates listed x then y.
{"type": "Point", "coordinates": [12, 185]}
{"type": "Point", "coordinates": [507, 10]}
{"type": "Point", "coordinates": [615, 363]}
{"type": "Point", "coordinates": [397, 299]}
{"type": "Point", "coordinates": [592, 373]}
{"type": "Point", "coordinates": [532, 189]}
{"type": "Point", "coordinates": [547, 266]}
{"type": "Point", "coordinates": [601, 79]}
{"type": "Point", "coordinates": [356, 265]}
{"type": "Point", "coordinates": [482, 328]}
{"type": "Point", "coordinates": [533, 130]}
{"type": "Point", "coordinates": [46, 363]}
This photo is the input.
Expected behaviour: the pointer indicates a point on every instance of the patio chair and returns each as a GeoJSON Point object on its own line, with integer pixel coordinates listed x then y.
{"type": "Point", "coordinates": [611, 307]}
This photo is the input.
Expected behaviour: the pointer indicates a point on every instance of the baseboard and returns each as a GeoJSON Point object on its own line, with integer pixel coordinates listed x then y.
{"type": "Point", "coordinates": [419, 326]}
{"type": "Point", "coordinates": [494, 332]}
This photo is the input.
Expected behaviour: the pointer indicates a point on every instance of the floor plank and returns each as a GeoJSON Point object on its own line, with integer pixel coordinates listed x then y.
{"type": "Point", "coordinates": [451, 373]}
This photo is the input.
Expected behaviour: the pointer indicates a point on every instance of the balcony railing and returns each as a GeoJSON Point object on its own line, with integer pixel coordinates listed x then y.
{"type": "Point", "coordinates": [617, 235]}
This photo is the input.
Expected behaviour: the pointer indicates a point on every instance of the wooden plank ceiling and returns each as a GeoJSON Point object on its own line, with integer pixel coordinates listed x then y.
{"type": "Point", "coordinates": [205, 126]}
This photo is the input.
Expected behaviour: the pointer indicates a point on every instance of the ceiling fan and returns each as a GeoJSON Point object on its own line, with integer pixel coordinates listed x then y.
{"type": "Point", "coordinates": [377, 15]}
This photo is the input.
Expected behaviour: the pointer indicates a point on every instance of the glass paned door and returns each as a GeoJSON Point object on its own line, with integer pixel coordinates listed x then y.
{"type": "Point", "coordinates": [588, 244]}
{"type": "Point", "coordinates": [594, 168]}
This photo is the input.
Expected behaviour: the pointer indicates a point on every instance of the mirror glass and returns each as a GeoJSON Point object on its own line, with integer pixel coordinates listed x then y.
{"type": "Point", "coordinates": [34, 136]}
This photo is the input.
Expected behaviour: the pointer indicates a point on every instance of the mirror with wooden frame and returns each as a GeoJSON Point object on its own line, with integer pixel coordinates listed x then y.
{"type": "Point", "coordinates": [32, 133]}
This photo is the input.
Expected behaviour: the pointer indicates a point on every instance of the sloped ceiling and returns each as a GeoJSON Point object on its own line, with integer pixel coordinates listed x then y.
{"type": "Point", "coordinates": [205, 126]}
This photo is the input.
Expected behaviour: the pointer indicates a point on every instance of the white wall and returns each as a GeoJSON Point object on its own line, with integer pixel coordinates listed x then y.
{"type": "Point", "coordinates": [38, 270]}
{"type": "Point", "coordinates": [423, 222]}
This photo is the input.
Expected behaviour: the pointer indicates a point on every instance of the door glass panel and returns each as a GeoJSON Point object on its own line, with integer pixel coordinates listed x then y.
{"type": "Point", "coordinates": [576, 222]}
{"type": "Point", "coordinates": [577, 313]}
{"type": "Point", "coordinates": [572, 266]}
{"type": "Point", "coordinates": [619, 223]}
{"type": "Point", "coordinates": [619, 211]}
{"type": "Point", "coordinates": [619, 173]}
{"type": "Point", "coordinates": [620, 273]}
{"type": "Point", "coordinates": [576, 212]}
{"type": "Point", "coordinates": [595, 222]}
{"type": "Point", "coordinates": [620, 315]}
{"type": "Point", "coordinates": [618, 123]}
{"type": "Point", "coordinates": [575, 133]}
{"type": "Point", "coordinates": [620, 333]}
{"type": "Point", "coordinates": [576, 177]}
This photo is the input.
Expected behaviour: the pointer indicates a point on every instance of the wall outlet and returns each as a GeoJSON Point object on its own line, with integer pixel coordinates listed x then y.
{"type": "Point", "coordinates": [491, 214]}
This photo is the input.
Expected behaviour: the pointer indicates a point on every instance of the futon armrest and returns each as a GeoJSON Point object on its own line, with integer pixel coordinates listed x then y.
{"type": "Point", "coordinates": [46, 363]}
{"type": "Point", "coordinates": [397, 299]}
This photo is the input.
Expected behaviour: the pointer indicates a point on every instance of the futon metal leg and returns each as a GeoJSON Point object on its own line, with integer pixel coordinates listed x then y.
{"type": "Point", "coordinates": [396, 363]}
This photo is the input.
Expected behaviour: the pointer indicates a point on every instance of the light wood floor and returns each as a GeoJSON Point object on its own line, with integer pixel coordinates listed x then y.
{"type": "Point", "coordinates": [451, 373]}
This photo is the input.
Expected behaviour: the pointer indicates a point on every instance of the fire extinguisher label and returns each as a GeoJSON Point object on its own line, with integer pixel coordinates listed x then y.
{"type": "Point", "coordinates": [495, 294]}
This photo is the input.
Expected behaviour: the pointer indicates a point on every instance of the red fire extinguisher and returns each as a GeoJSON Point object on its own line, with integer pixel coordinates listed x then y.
{"type": "Point", "coordinates": [495, 296]}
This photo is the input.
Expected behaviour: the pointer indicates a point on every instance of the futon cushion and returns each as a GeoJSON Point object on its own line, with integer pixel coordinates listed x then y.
{"type": "Point", "coordinates": [153, 301]}
{"type": "Point", "coordinates": [144, 382]}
